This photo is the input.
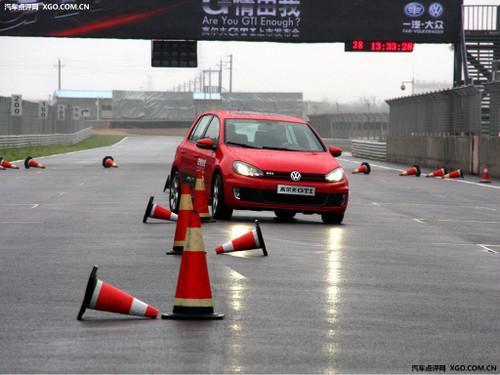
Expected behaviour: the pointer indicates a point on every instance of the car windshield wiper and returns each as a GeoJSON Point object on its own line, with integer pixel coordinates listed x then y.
{"type": "Point", "coordinates": [241, 145]}
{"type": "Point", "coordinates": [278, 148]}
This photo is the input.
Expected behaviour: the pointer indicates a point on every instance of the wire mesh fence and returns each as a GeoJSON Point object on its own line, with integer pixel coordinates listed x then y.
{"type": "Point", "coordinates": [352, 125]}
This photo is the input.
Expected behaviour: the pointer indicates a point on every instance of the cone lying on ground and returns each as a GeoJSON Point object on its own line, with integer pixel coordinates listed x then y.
{"type": "Point", "coordinates": [109, 162]}
{"type": "Point", "coordinates": [104, 297]}
{"type": "Point", "coordinates": [251, 240]}
{"type": "Point", "coordinates": [485, 179]}
{"type": "Point", "coordinates": [167, 184]}
{"type": "Point", "coordinates": [363, 168]}
{"type": "Point", "coordinates": [454, 174]}
{"type": "Point", "coordinates": [193, 296]}
{"type": "Point", "coordinates": [32, 163]}
{"type": "Point", "coordinates": [155, 211]}
{"type": "Point", "coordinates": [437, 173]}
{"type": "Point", "coordinates": [4, 164]}
{"type": "Point", "coordinates": [413, 171]}
{"type": "Point", "coordinates": [185, 208]}
{"type": "Point", "coordinates": [200, 203]}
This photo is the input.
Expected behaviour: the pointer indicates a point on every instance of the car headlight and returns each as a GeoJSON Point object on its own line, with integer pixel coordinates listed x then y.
{"type": "Point", "coordinates": [336, 175]}
{"type": "Point", "coordinates": [248, 170]}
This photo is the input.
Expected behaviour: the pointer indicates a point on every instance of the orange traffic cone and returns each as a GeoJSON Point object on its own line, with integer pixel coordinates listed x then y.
{"type": "Point", "coordinates": [2, 168]}
{"type": "Point", "coordinates": [485, 179]}
{"type": "Point", "coordinates": [363, 168]}
{"type": "Point", "coordinates": [7, 164]}
{"type": "Point", "coordinates": [454, 174]}
{"type": "Point", "coordinates": [437, 173]}
{"type": "Point", "coordinates": [104, 297]}
{"type": "Point", "coordinates": [413, 171]}
{"type": "Point", "coordinates": [109, 162]}
{"type": "Point", "coordinates": [167, 184]}
{"type": "Point", "coordinates": [200, 198]}
{"type": "Point", "coordinates": [249, 241]}
{"type": "Point", "coordinates": [32, 163]}
{"type": "Point", "coordinates": [155, 211]}
{"type": "Point", "coordinates": [193, 296]}
{"type": "Point", "coordinates": [185, 208]}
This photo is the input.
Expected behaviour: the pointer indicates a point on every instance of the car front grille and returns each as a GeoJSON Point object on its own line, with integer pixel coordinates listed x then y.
{"type": "Point", "coordinates": [270, 196]}
{"type": "Point", "coordinates": [286, 176]}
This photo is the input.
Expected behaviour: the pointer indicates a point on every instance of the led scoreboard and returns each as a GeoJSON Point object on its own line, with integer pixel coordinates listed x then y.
{"type": "Point", "coordinates": [378, 46]}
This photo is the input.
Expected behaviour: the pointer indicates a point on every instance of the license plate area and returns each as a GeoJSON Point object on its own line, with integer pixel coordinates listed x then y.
{"type": "Point", "coordinates": [306, 191]}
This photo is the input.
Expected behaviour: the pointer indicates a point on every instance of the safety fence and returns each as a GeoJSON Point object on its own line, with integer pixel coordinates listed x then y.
{"type": "Point", "coordinates": [369, 149]}
{"type": "Point", "coordinates": [494, 124]}
{"type": "Point", "coordinates": [371, 126]}
{"type": "Point", "coordinates": [16, 141]}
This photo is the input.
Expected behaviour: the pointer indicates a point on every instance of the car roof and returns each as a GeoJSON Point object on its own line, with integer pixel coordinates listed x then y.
{"type": "Point", "coordinates": [226, 114]}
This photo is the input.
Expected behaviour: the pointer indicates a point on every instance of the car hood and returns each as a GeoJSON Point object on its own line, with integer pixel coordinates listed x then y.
{"type": "Point", "coordinates": [287, 161]}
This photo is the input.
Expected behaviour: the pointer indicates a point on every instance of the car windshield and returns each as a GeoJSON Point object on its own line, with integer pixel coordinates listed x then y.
{"type": "Point", "coordinates": [271, 135]}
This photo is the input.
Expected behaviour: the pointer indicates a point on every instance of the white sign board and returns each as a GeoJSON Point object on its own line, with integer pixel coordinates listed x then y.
{"type": "Point", "coordinates": [61, 112]}
{"type": "Point", "coordinates": [16, 105]}
{"type": "Point", "coordinates": [76, 113]}
{"type": "Point", "coordinates": [43, 109]}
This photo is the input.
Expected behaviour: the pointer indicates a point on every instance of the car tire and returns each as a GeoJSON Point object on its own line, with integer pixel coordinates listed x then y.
{"type": "Point", "coordinates": [332, 218]}
{"type": "Point", "coordinates": [220, 210]}
{"type": "Point", "coordinates": [174, 195]}
{"type": "Point", "coordinates": [284, 215]}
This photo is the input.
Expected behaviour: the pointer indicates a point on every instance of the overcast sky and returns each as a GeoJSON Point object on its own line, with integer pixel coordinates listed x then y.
{"type": "Point", "coordinates": [320, 71]}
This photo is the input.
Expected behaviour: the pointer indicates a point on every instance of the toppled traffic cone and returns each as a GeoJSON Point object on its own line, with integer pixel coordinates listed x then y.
{"type": "Point", "coordinates": [155, 211]}
{"type": "Point", "coordinates": [363, 168]}
{"type": "Point", "coordinates": [193, 296]}
{"type": "Point", "coordinates": [2, 168]}
{"type": "Point", "coordinates": [454, 174]}
{"type": "Point", "coordinates": [109, 162]}
{"type": "Point", "coordinates": [485, 179]}
{"type": "Point", "coordinates": [249, 241]}
{"type": "Point", "coordinates": [200, 199]}
{"type": "Point", "coordinates": [167, 184]}
{"type": "Point", "coordinates": [104, 297]}
{"type": "Point", "coordinates": [4, 164]}
{"type": "Point", "coordinates": [185, 208]}
{"type": "Point", "coordinates": [413, 171]}
{"type": "Point", "coordinates": [32, 163]}
{"type": "Point", "coordinates": [437, 173]}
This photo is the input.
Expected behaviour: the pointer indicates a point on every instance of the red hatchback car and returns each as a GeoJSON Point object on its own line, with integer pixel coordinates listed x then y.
{"type": "Point", "coordinates": [261, 162]}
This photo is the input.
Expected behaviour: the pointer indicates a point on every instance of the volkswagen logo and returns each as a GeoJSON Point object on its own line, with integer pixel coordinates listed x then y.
{"type": "Point", "coordinates": [414, 10]}
{"type": "Point", "coordinates": [295, 176]}
{"type": "Point", "coordinates": [436, 10]}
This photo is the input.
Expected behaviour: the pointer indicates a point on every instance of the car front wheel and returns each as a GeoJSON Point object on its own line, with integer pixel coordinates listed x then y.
{"type": "Point", "coordinates": [332, 218]}
{"type": "Point", "coordinates": [219, 209]}
{"type": "Point", "coordinates": [175, 192]}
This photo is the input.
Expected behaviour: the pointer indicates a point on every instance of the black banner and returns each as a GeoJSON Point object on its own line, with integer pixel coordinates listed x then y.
{"type": "Point", "coordinates": [423, 21]}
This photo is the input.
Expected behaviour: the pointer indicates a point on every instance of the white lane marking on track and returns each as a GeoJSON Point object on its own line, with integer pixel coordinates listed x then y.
{"type": "Point", "coordinates": [35, 205]}
{"type": "Point", "coordinates": [116, 144]}
{"type": "Point", "coordinates": [488, 248]}
{"type": "Point", "coordinates": [419, 220]}
{"type": "Point", "coordinates": [19, 204]}
{"type": "Point", "coordinates": [467, 221]}
{"type": "Point", "coordinates": [376, 204]}
{"type": "Point", "coordinates": [474, 183]}
{"type": "Point", "coordinates": [82, 183]}
{"type": "Point", "coordinates": [432, 205]}
{"type": "Point", "coordinates": [21, 222]}
{"type": "Point", "coordinates": [61, 193]}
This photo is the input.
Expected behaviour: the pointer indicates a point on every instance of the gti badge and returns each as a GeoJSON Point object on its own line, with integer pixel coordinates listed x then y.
{"type": "Point", "coordinates": [414, 10]}
{"type": "Point", "coordinates": [436, 10]}
{"type": "Point", "coordinates": [295, 176]}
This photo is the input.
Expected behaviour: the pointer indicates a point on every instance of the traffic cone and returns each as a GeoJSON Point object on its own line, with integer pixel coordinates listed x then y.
{"type": "Point", "coordinates": [413, 171]}
{"type": "Point", "coordinates": [155, 211]}
{"type": "Point", "coordinates": [7, 164]}
{"type": "Point", "coordinates": [193, 296]}
{"type": "Point", "coordinates": [167, 184]}
{"type": "Point", "coordinates": [32, 163]}
{"type": "Point", "coordinates": [200, 204]}
{"type": "Point", "coordinates": [109, 162]}
{"type": "Point", "coordinates": [185, 208]}
{"type": "Point", "coordinates": [104, 297]}
{"type": "Point", "coordinates": [249, 241]}
{"type": "Point", "coordinates": [437, 173]}
{"type": "Point", "coordinates": [485, 179]}
{"type": "Point", "coordinates": [2, 168]}
{"type": "Point", "coordinates": [363, 168]}
{"type": "Point", "coordinates": [454, 174]}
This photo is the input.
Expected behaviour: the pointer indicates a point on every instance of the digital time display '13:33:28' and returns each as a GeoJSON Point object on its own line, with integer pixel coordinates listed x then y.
{"type": "Point", "coordinates": [378, 46]}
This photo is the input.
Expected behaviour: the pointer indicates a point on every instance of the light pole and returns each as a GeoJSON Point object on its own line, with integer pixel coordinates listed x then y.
{"type": "Point", "coordinates": [412, 82]}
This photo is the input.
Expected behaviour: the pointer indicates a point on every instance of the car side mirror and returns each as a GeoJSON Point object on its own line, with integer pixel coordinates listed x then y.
{"type": "Point", "coordinates": [206, 144]}
{"type": "Point", "coordinates": [335, 151]}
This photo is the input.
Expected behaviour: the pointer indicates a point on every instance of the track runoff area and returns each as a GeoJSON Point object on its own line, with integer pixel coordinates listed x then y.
{"type": "Point", "coordinates": [410, 279]}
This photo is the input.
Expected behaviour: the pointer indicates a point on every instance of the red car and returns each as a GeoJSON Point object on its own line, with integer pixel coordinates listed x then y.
{"type": "Point", "coordinates": [261, 162]}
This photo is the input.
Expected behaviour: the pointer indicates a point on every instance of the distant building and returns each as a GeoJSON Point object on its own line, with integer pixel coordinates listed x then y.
{"type": "Point", "coordinates": [94, 105]}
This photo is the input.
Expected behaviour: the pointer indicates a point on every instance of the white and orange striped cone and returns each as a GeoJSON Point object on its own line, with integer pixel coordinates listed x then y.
{"type": "Point", "coordinates": [2, 168]}
{"type": "Point", "coordinates": [437, 173]}
{"type": "Point", "coordinates": [5, 164]}
{"type": "Point", "coordinates": [167, 184]}
{"type": "Point", "coordinates": [109, 162]}
{"type": "Point", "coordinates": [363, 168]}
{"type": "Point", "coordinates": [251, 240]}
{"type": "Point", "coordinates": [155, 211]}
{"type": "Point", "coordinates": [104, 297]}
{"type": "Point", "coordinates": [193, 296]}
{"type": "Point", "coordinates": [185, 208]}
{"type": "Point", "coordinates": [29, 162]}
{"type": "Point", "coordinates": [485, 179]}
{"type": "Point", "coordinates": [454, 174]}
{"type": "Point", "coordinates": [413, 171]}
{"type": "Point", "coordinates": [200, 203]}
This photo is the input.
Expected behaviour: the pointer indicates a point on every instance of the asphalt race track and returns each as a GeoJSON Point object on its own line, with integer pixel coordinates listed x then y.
{"type": "Point", "coordinates": [410, 278]}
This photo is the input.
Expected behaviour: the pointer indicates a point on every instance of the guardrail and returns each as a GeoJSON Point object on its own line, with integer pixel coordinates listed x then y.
{"type": "Point", "coordinates": [16, 141]}
{"type": "Point", "coordinates": [369, 150]}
